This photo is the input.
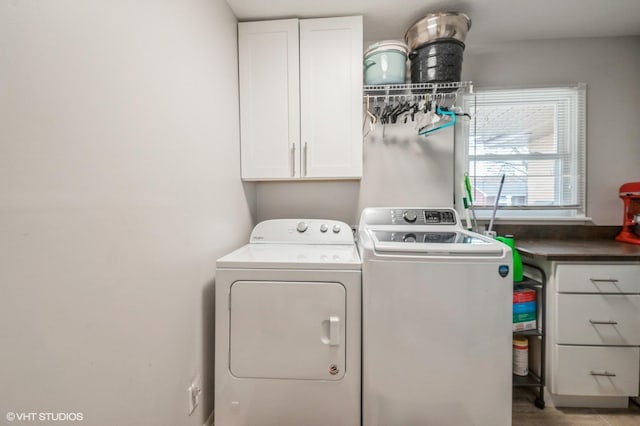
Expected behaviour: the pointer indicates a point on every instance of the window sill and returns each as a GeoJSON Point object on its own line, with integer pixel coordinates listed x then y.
{"type": "Point", "coordinates": [547, 220]}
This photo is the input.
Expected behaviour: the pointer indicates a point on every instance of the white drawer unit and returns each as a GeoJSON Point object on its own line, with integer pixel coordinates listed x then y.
{"type": "Point", "coordinates": [596, 371]}
{"type": "Point", "coordinates": [593, 343]}
{"type": "Point", "coordinates": [597, 319]}
{"type": "Point", "coordinates": [594, 278]}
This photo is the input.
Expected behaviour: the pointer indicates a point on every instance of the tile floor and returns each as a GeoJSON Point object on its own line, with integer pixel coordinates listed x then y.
{"type": "Point", "coordinates": [527, 414]}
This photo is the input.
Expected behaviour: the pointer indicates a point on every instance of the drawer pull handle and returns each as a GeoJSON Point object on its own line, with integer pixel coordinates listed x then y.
{"type": "Point", "coordinates": [603, 322]}
{"type": "Point", "coordinates": [603, 280]}
{"type": "Point", "coordinates": [604, 373]}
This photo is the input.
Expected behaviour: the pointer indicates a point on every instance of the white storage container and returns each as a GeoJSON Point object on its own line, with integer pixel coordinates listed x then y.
{"type": "Point", "coordinates": [385, 62]}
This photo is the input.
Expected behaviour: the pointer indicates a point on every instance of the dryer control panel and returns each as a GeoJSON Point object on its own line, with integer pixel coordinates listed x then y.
{"type": "Point", "coordinates": [302, 231]}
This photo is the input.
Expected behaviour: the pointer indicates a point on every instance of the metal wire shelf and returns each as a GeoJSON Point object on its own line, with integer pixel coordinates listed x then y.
{"type": "Point", "coordinates": [415, 88]}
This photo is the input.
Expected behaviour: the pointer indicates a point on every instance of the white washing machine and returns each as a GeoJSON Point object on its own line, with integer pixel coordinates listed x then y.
{"type": "Point", "coordinates": [436, 318]}
{"type": "Point", "coordinates": [288, 323]}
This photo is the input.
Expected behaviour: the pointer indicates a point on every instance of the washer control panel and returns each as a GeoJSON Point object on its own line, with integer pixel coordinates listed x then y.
{"type": "Point", "coordinates": [422, 217]}
{"type": "Point", "coordinates": [438, 216]}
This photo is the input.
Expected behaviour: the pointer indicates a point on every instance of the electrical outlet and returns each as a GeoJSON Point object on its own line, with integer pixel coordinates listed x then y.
{"type": "Point", "coordinates": [193, 394]}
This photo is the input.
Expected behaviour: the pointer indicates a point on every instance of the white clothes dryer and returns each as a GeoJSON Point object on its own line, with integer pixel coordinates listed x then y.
{"type": "Point", "coordinates": [436, 321]}
{"type": "Point", "coordinates": [288, 327]}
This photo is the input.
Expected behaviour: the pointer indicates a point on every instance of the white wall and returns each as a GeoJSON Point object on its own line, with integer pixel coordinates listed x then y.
{"type": "Point", "coordinates": [119, 187]}
{"type": "Point", "coordinates": [609, 66]}
{"type": "Point", "coordinates": [400, 169]}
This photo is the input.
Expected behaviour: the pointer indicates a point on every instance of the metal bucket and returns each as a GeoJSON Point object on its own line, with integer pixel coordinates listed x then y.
{"type": "Point", "coordinates": [437, 62]}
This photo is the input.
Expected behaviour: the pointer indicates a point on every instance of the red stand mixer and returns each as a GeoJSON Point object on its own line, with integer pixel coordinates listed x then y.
{"type": "Point", "coordinates": [630, 194]}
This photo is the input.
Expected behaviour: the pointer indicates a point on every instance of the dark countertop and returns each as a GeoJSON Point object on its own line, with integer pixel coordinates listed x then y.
{"type": "Point", "coordinates": [571, 243]}
{"type": "Point", "coordinates": [576, 250]}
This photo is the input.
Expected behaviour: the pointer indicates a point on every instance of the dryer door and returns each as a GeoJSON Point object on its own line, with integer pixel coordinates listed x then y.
{"type": "Point", "coordinates": [287, 330]}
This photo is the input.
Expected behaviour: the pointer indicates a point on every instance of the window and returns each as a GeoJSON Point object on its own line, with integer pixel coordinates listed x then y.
{"type": "Point", "coordinates": [536, 138]}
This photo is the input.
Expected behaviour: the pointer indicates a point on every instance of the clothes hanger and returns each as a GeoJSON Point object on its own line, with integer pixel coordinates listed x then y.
{"type": "Point", "coordinates": [372, 119]}
{"type": "Point", "coordinates": [428, 130]}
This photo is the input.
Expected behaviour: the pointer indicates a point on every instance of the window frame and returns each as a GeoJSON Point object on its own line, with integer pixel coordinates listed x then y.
{"type": "Point", "coordinates": [575, 143]}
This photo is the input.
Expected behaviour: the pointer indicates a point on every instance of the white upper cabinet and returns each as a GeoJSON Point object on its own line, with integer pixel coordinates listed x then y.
{"type": "Point", "coordinates": [269, 98]}
{"type": "Point", "coordinates": [301, 98]}
{"type": "Point", "coordinates": [331, 97]}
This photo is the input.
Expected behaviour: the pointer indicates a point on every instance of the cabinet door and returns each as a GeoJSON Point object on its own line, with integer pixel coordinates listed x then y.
{"type": "Point", "coordinates": [268, 59]}
{"type": "Point", "coordinates": [331, 97]}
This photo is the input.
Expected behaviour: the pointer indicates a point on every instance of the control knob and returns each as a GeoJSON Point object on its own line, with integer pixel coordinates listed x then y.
{"type": "Point", "coordinates": [410, 216]}
{"type": "Point", "coordinates": [302, 226]}
{"type": "Point", "coordinates": [409, 238]}
{"type": "Point", "coordinates": [336, 229]}
{"type": "Point", "coordinates": [324, 228]}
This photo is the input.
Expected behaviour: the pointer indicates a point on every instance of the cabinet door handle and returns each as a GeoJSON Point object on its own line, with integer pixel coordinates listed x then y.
{"type": "Point", "coordinates": [293, 159]}
{"type": "Point", "coordinates": [604, 373]}
{"type": "Point", "coordinates": [304, 158]}
{"type": "Point", "coordinates": [603, 322]}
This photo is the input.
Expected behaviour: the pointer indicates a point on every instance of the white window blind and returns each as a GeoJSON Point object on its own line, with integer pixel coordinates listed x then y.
{"type": "Point", "coordinates": [536, 138]}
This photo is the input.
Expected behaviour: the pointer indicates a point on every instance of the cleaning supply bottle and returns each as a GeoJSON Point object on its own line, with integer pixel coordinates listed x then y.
{"type": "Point", "coordinates": [517, 260]}
{"type": "Point", "coordinates": [521, 356]}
